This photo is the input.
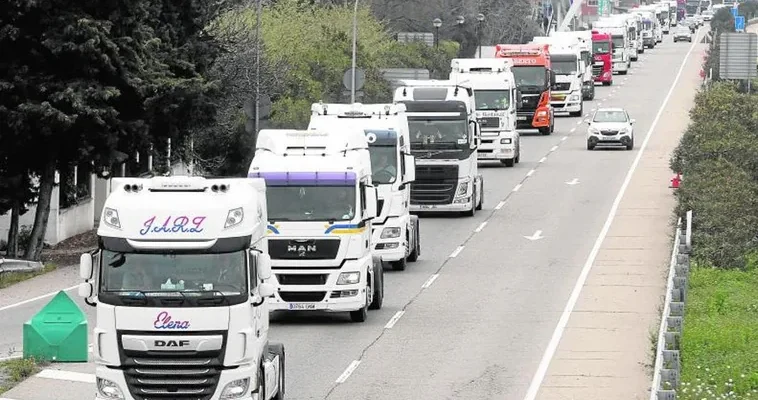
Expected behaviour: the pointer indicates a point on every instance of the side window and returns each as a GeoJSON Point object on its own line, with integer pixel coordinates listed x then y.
{"type": "Point", "coordinates": [363, 198]}
{"type": "Point", "coordinates": [402, 164]}
{"type": "Point", "coordinates": [253, 270]}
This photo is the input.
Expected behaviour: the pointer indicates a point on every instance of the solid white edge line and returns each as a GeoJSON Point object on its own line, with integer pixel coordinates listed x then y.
{"type": "Point", "coordinates": [430, 281]}
{"type": "Point", "coordinates": [456, 252]}
{"type": "Point", "coordinates": [480, 227]}
{"type": "Point", "coordinates": [499, 205]}
{"type": "Point", "coordinates": [348, 371]}
{"type": "Point", "coordinates": [543, 159]}
{"type": "Point", "coordinates": [33, 299]}
{"type": "Point", "coordinates": [394, 319]}
{"type": "Point", "coordinates": [516, 189]}
{"type": "Point", "coordinates": [66, 376]}
{"type": "Point", "coordinates": [554, 148]}
{"type": "Point", "coordinates": [552, 346]}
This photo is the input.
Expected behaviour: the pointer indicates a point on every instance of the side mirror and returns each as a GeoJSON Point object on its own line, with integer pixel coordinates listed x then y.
{"type": "Point", "coordinates": [371, 199]}
{"type": "Point", "coordinates": [264, 266]}
{"type": "Point", "coordinates": [86, 290]}
{"type": "Point", "coordinates": [552, 78]}
{"type": "Point", "coordinates": [85, 266]}
{"type": "Point", "coordinates": [632, 121]}
{"type": "Point", "coordinates": [265, 290]}
{"type": "Point", "coordinates": [519, 99]}
{"type": "Point", "coordinates": [410, 168]}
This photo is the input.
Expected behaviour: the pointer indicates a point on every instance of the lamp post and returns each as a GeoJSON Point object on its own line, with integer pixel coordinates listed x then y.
{"type": "Point", "coordinates": [460, 21]}
{"type": "Point", "coordinates": [355, 41]}
{"type": "Point", "coordinates": [257, 65]}
{"type": "Point", "coordinates": [437, 24]}
{"type": "Point", "coordinates": [480, 21]}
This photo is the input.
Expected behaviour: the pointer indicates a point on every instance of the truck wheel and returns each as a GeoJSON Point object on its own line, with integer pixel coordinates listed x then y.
{"type": "Point", "coordinates": [278, 349]}
{"type": "Point", "coordinates": [360, 315]}
{"type": "Point", "coordinates": [592, 92]}
{"type": "Point", "coordinates": [472, 211]}
{"type": "Point", "coordinates": [578, 113]}
{"type": "Point", "coordinates": [378, 300]}
{"type": "Point", "coordinates": [481, 193]}
{"type": "Point", "coordinates": [400, 264]}
{"type": "Point", "coordinates": [607, 83]}
{"type": "Point", "coordinates": [509, 162]}
{"type": "Point", "coordinates": [413, 256]}
{"type": "Point", "coordinates": [518, 152]}
{"type": "Point", "coordinates": [545, 131]}
{"type": "Point", "coordinates": [623, 72]}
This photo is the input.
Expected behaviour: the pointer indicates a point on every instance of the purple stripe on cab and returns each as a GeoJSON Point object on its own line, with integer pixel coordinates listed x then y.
{"type": "Point", "coordinates": [306, 178]}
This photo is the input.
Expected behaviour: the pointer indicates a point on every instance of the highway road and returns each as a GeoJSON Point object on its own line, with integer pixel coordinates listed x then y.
{"type": "Point", "coordinates": [471, 318]}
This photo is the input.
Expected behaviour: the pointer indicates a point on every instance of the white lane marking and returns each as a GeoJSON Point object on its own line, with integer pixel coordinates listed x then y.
{"type": "Point", "coordinates": [543, 159]}
{"type": "Point", "coordinates": [537, 236]}
{"type": "Point", "coordinates": [499, 205]}
{"type": "Point", "coordinates": [456, 252]}
{"type": "Point", "coordinates": [554, 148]}
{"type": "Point", "coordinates": [394, 319]}
{"type": "Point", "coordinates": [552, 346]}
{"type": "Point", "coordinates": [516, 189]}
{"type": "Point", "coordinates": [572, 130]}
{"type": "Point", "coordinates": [13, 357]}
{"type": "Point", "coordinates": [564, 138]}
{"type": "Point", "coordinates": [33, 299]}
{"type": "Point", "coordinates": [66, 376]}
{"type": "Point", "coordinates": [531, 172]}
{"type": "Point", "coordinates": [430, 281]}
{"type": "Point", "coordinates": [579, 122]}
{"type": "Point", "coordinates": [480, 227]}
{"type": "Point", "coordinates": [348, 371]}
{"type": "Point", "coordinates": [573, 182]}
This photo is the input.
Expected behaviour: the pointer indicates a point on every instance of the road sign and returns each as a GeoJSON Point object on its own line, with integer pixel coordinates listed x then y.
{"type": "Point", "coordinates": [360, 79]}
{"type": "Point", "coordinates": [739, 23]}
{"type": "Point", "coordinates": [737, 57]}
{"type": "Point", "coordinates": [735, 10]}
{"type": "Point", "coordinates": [58, 332]}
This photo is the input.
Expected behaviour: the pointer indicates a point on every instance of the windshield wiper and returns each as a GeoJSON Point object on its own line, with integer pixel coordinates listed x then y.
{"type": "Point", "coordinates": [436, 152]}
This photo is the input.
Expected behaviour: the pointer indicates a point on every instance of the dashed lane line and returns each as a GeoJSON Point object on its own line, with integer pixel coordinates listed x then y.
{"type": "Point", "coordinates": [348, 371]}
{"type": "Point", "coordinates": [500, 205]}
{"type": "Point", "coordinates": [517, 188]}
{"type": "Point", "coordinates": [531, 172]}
{"type": "Point", "coordinates": [394, 319]}
{"type": "Point", "coordinates": [457, 251]}
{"type": "Point", "coordinates": [543, 159]}
{"type": "Point", "coordinates": [554, 148]}
{"type": "Point", "coordinates": [480, 227]}
{"type": "Point", "coordinates": [430, 281]}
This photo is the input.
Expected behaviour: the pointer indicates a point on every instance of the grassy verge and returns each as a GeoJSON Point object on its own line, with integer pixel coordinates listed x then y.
{"type": "Point", "coordinates": [12, 278]}
{"type": "Point", "coordinates": [720, 339]}
{"type": "Point", "coordinates": [13, 372]}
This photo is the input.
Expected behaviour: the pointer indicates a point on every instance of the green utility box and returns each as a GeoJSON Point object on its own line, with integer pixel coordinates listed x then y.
{"type": "Point", "coordinates": [58, 332]}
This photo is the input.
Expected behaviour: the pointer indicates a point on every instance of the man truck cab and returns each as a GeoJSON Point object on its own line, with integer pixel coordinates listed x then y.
{"type": "Point", "coordinates": [444, 140]}
{"type": "Point", "coordinates": [179, 281]}
{"type": "Point", "coordinates": [583, 41]}
{"type": "Point", "coordinates": [620, 38]}
{"type": "Point", "coordinates": [496, 101]}
{"type": "Point", "coordinates": [321, 206]}
{"type": "Point", "coordinates": [566, 62]}
{"type": "Point", "coordinates": [396, 235]}
{"type": "Point", "coordinates": [602, 65]}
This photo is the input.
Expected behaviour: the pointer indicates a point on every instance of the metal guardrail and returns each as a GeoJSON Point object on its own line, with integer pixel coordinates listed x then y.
{"type": "Point", "coordinates": [666, 375]}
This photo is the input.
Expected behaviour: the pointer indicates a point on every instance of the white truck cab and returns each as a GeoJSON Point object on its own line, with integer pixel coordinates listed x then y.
{"type": "Point", "coordinates": [396, 233]}
{"type": "Point", "coordinates": [620, 37]}
{"type": "Point", "coordinates": [567, 64]}
{"type": "Point", "coordinates": [583, 41]}
{"type": "Point", "coordinates": [444, 140]}
{"type": "Point", "coordinates": [496, 98]}
{"type": "Point", "coordinates": [649, 38]}
{"type": "Point", "coordinates": [179, 284]}
{"type": "Point", "coordinates": [321, 205]}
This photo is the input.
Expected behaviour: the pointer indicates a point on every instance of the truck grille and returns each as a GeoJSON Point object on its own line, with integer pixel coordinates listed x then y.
{"type": "Point", "coordinates": [524, 119]}
{"type": "Point", "coordinates": [169, 375]}
{"type": "Point", "coordinates": [303, 249]}
{"type": "Point", "coordinates": [307, 297]}
{"type": "Point", "coordinates": [562, 87]}
{"type": "Point", "coordinates": [435, 184]}
{"type": "Point", "coordinates": [302, 279]}
{"type": "Point", "coordinates": [529, 102]}
{"type": "Point", "coordinates": [489, 122]}
{"type": "Point", "coordinates": [609, 132]}
{"type": "Point", "coordinates": [597, 70]}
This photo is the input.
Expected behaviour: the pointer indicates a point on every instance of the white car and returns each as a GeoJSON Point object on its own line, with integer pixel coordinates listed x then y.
{"type": "Point", "coordinates": [707, 15]}
{"type": "Point", "coordinates": [610, 126]}
{"type": "Point", "coordinates": [682, 34]}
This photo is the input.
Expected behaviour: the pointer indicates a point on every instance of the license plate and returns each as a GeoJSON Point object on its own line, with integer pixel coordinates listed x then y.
{"type": "Point", "coordinates": [302, 306]}
{"type": "Point", "coordinates": [426, 206]}
{"type": "Point", "coordinates": [607, 138]}
{"type": "Point", "coordinates": [522, 118]}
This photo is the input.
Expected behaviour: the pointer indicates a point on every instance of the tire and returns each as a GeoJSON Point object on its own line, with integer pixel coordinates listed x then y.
{"type": "Point", "coordinates": [508, 162]}
{"type": "Point", "coordinates": [362, 314]}
{"type": "Point", "coordinates": [592, 91]}
{"type": "Point", "coordinates": [517, 159]}
{"type": "Point", "coordinates": [590, 146]}
{"type": "Point", "coordinates": [578, 113]}
{"type": "Point", "coordinates": [416, 252]}
{"type": "Point", "coordinates": [630, 146]}
{"type": "Point", "coordinates": [545, 131]}
{"type": "Point", "coordinates": [278, 349]}
{"type": "Point", "coordinates": [623, 72]}
{"type": "Point", "coordinates": [378, 300]}
{"type": "Point", "coordinates": [399, 265]}
{"type": "Point", "coordinates": [472, 211]}
{"type": "Point", "coordinates": [481, 195]}
{"type": "Point", "coordinates": [607, 83]}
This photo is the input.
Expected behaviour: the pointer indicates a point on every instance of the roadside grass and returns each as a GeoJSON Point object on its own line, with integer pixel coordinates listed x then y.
{"type": "Point", "coordinates": [13, 372]}
{"type": "Point", "coordinates": [12, 278]}
{"type": "Point", "coordinates": [720, 339]}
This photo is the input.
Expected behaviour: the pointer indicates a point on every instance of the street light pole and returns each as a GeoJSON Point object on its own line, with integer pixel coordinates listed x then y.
{"type": "Point", "coordinates": [355, 42]}
{"type": "Point", "coordinates": [460, 21]}
{"type": "Point", "coordinates": [480, 20]}
{"type": "Point", "coordinates": [258, 9]}
{"type": "Point", "coordinates": [437, 24]}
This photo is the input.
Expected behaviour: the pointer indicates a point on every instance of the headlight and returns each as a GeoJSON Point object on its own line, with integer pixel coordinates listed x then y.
{"type": "Point", "coordinates": [349, 278]}
{"type": "Point", "coordinates": [592, 131]}
{"type": "Point", "coordinates": [389, 233]}
{"type": "Point", "coordinates": [110, 217]}
{"type": "Point", "coordinates": [234, 217]}
{"type": "Point", "coordinates": [462, 188]}
{"type": "Point", "coordinates": [109, 389]}
{"type": "Point", "coordinates": [542, 113]}
{"type": "Point", "coordinates": [506, 141]}
{"type": "Point", "coordinates": [623, 131]}
{"type": "Point", "coordinates": [574, 97]}
{"type": "Point", "coordinates": [236, 389]}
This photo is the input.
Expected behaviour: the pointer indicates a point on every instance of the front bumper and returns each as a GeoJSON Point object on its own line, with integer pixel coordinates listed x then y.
{"type": "Point", "coordinates": [620, 66]}
{"type": "Point", "coordinates": [527, 120]}
{"type": "Point", "coordinates": [599, 139]}
{"type": "Point", "coordinates": [605, 76]}
{"type": "Point", "coordinates": [648, 41]}
{"type": "Point", "coordinates": [451, 207]}
{"type": "Point", "coordinates": [572, 105]}
{"type": "Point", "coordinates": [492, 148]}
{"type": "Point", "coordinates": [329, 296]}
{"type": "Point", "coordinates": [227, 376]}
{"type": "Point", "coordinates": [390, 249]}
{"type": "Point", "coordinates": [678, 38]}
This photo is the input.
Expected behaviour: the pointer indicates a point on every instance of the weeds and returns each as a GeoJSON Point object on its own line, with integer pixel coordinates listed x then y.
{"type": "Point", "coordinates": [13, 372]}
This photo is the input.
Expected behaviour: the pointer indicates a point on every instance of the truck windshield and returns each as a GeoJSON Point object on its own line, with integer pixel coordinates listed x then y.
{"type": "Point", "coordinates": [618, 41]}
{"type": "Point", "coordinates": [529, 76]}
{"type": "Point", "coordinates": [161, 272]}
{"type": "Point", "coordinates": [492, 99]}
{"type": "Point", "coordinates": [564, 65]}
{"type": "Point", "coordinates": [311, 203]}
{"type": "Point", "coordinates": [383, 163]}
{"type": "Point", "coordinates": [439, 139]}
{"type": "Point", "coordinates": [601, 47]}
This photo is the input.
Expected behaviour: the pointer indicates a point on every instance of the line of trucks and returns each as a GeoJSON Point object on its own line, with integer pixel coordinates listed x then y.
{"type": "Point", "coordinates": [188, 268]}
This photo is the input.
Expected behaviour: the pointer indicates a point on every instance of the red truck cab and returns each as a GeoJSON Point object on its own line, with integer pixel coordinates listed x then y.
{"type": "Point", "coordinates": [602, 52]}
{"type": "Point", "coordinates": [534, 80]}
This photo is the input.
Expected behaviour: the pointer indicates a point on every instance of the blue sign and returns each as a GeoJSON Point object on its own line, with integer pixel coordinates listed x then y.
{"type": "Point", "coordinates": [739, 23]}
{"type": "Point", "coordinates": [734, 12]}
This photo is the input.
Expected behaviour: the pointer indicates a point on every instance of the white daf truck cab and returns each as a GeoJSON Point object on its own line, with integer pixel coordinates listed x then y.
{"type": "Point", "coordinates": [396, 233]}
{"type": "Point", "coordinates": [321, 205]}
{"type": "Point", "coordinates": [444, 140]}
{"type": "Point", "coordinates": [583, 41]}
{"type": "Point", "coordinates": [622, 60]}
{"type": "Point", "coordinates": [496, 100]}
{"type": "Point", "coordinates": [566, 63]}
{"type": "Point", "coordinates": [179, 285]}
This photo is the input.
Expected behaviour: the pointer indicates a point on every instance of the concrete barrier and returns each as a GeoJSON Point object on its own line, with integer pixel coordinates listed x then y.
{"type": "Point", "coordinates": [19, 266]}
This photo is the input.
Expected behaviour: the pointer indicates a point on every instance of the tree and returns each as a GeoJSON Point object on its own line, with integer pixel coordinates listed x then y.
{"type": "Point", "coordinates": [722, 22]}
{"type": "Point", "coordinates": [81, 80]}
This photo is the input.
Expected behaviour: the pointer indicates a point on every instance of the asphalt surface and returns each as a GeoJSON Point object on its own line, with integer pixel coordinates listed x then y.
{"type": "Point", "coordinates": [478, 309]}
